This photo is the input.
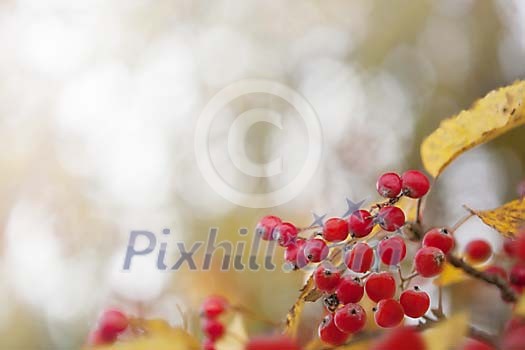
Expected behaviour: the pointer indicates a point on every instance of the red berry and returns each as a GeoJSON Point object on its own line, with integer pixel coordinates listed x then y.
{"type": "Point", "coordinates": [271, 342]}
{"type": "Point", "coordinates": [478, 251]}
{"type": "Point", "coordinates": [390, 218]}
{"type": "Point", "coordinates": [415, 183]}
{"type": "Point", "coordinates": [112, 322]}
{"type": "Point", "coordinates": [208, 344]}
{"type": "Point", "coordinates": [521, 189]}
{"type": "Point", "coordinates": [327, 277]}
{"type": "Point", "coordinates": [213, 306]}
{"type": "Point", "coordinates": [379, 286]}
{"type": "Point", "coordinates": [473, 344]}
{"type": "Point", "coordinates": [350, 290]}
{"type": "Point", "coordinates": [335, 230]}
{"type": "Point", "coordinates": [514, 339]}
{"type": "Point", "coordinates": [360, 223]}
{"type": "Point", "coordinates": [429, 261]}
{"type": "Point", "coordinates": [439, 238]}
{"type": "Point", "coordinates": [351, 318]}
{"type": "Point", "coordinates": [392, 250]}
{"type": "Point", "coordinates": [212, 328]}
{"type": "Point", "coordinates": [315, 250]}
{"type": "Point", "coordinates": [517, 275]}
{"type": "Point", "coordinates": [509, 247]}
{"type": "Point", "coordinates": [294, 253]}
{"type": "Point", "coordinates": [285, 234]}
{"type": "Point", "coordinates": [389, 185]}
{"type": "Point", "coordinates": [399, 338]}
{"type": "Point", "coordinates": [97, 338]}
{"type": "Point", "coordinates": [329, 333]}
{"type": "Point", "coordinates": [389, 313]}
{"type": "Point", "coordinates": [415, 302]}
{"type": "Point", "coordinates": [519, 245]}
{"type": "Point", "coordinates": [266, 225]}
{"type": "Point", "coordinates": [360, 258]}
{"type": "Point", "coordinates": [497, 271]}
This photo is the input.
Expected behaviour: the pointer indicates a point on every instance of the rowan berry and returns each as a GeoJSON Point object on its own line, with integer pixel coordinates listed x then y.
{"type": "Point", "coordinates": [473, 344]}
{"type": "Point", "coordinates": [271, 342]}
{"type": "Point", "coordinates": [439, 238]}
{"type": "Point", "coordinates": [329, 333]}
{"type": "Point", "coordinates": [389, 185]}
{"type": "Point", "coordinates": [285, 234]}
{"type": "Point", "coordinates": [517, 274]}
{"type": "Point", "coordinates": [380, 285]}
{"type": "Point", "coordinates": [401, 338]}
{"type": "Point", "coordinates": [519, 245]}
{"type": "Point", "coordinates": [360, 258]}
{"type": "Point", "coordinates": [351, 318]}
{"type": "Point", "coordinates": [208, 344]}
{"type": "Point", "coordinates": [496, 271]}
{"type": "Point", "coordinates": [509, 247]}
{"type": "Point", "coordinates": [213, 306]}
{"type": "Point", "coordinates": [112, 322]}
{"type": "Point", "coordinates": [415, 302]}
{"type": "Point", "coordinates": [315, 250]}
{"type": "Point", "coordinates": [266, 225]}
{"type": "Point", "coordinates": [388, 313]}
{"type": "Point", "coordinates": [429, 261]}
{"type": "Point", "coordinates": [392, 250]}
{"type": "Point", "coordinates": [212, 328]}
{"type": "Point", "coordinates": [478, 251]}
{"type": "Point", "coordinates": [350, 290]}
{"type": "Point", "coordinates": [327, 277]}
{"type": "Point", "coordinates": [390, 218]}
{"type": "Point", "coordinates": [335, 230]}
{"type": "Point", "coordinates": [415, 183]}
{"type": "Point", "coordinates": [96, 338]}
{"type": "Point", "coordinates": [360, 223]}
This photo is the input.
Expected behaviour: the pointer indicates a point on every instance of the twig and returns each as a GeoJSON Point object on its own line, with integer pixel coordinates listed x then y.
{"type": "Point", "coordinates": [507, 292]}
{"type": "Point", "coordinates": [462, 220]}
{"type": "Point", "coordinates": [418, 211]}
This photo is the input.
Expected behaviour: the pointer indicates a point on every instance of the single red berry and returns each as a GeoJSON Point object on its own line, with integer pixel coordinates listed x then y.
{"type": "Point", "coordinates": [97, 338]}
{"type": "Point", "coordinates": [360, 223]}
{"type": "Point", "coordinates": [439, 238]}
{"type": "Point", "coordinates": [271, 342]}
{"type": "Point", "coordinates": [399, 338]}
{"type": "Point", "coordinates": [429, 261]}
{"type": "Point", "coordinates": [335, 230]}
{"type": "Point", "coordinates": [351, 318]}
{"type": "Point", "coordinates": [389, 185]}
{"type": "Point", "coordinates": [415, 183]}
{"type": "Point", "coordinates": [112, 322]}
{"type": "Point", "coordinates": [517, 274]}
{"type": "Point", "coordinates": [390, 218]}
{"type": "Point", "coordinates": [388, 313]}
{"type": "Point", "coordinates": [521, 189]}
{"type": "Point", "coordinates": [478, 251]}
{"type": "Point", "coordinates": [473, 344]}
{"type": "Point", "coordinates": [266, 225]}
{"type": "Point", "coordinates": [509, 247]}
{"type": "Point", "coordinates": [519, 245]}
{"type": "Point", "coordinates": [294, 254]}
{"type": "Point", "coordinates": [415, 302]}
{"type": "Point", "coordinates": [497, 271]}
{"type": "Point", "coordinates": [392, 250]}
{"type": "Point", "coordinates": [360, 258]}
{"type": "Point", "coordinates": [213, 306]}
{"type": "Point", "coordinates": [327, 277]}
{"type": "Point", "coordinates": [212, 328]}
{"type": "Point", "coordinates": [315, 250]}
{"type": "Point", "coordinates": [285, 234]}
{"type": "Point", "coordinates": [329, 333]}
{"type": "Point", "coordinates": [350, 290]}
{"type": "Point", "coordinates": [380, 285]}
{"type": "Point", "coordinates": [208, 344]}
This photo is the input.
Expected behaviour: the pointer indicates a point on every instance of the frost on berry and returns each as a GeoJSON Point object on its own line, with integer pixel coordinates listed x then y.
{"type": "Point", "coordinates": [359, 258]}
{"type": "Point", "coordinates": [389, 185]}
{"type": "Point", "coordinates": [390, 218]}
{"type": "Point", "coordinates": [266, 225]}
{"type": "Point", "coordinates": [315, 250]}
{"type": "Point", "coordinates": [285, 234]}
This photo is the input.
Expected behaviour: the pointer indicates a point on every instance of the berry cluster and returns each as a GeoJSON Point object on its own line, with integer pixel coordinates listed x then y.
{"type": "Point", "coordinates": [211, 309]}
{"type": "Point", "coordinates": [345, 285]}
{"type": "Point", "coordinates": [110, 325]}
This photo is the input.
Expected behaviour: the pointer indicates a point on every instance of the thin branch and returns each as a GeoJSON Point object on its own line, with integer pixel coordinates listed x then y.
{"type": "Point", "coordinates": [462, 221]}
{"type": "Point", "coordinates": [507, 292]}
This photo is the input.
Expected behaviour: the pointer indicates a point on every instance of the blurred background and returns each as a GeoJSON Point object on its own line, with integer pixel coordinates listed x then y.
{"type": "Point", "coordinates": [98, 105]}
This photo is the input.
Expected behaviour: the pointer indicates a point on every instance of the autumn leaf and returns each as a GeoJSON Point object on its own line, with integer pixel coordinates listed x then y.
{"type": "Point", "coordinates": [493, 115]}
{"type": "Point", "coordinates": [293, 316]}
{"type": "Point", "coordinates": [451, 275]}
{"type": "Point", "coordinates": [447, 333]}
{"type": "Point", "coordinates": [520, 307]}
{"type": "Point", "coordinates": [507, 219]}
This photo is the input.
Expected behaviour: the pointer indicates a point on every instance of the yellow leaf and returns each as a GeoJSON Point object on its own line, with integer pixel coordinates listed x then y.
{"type": "Point", "coordinates": [520, 307]}
{"type": "Point", "coordinates": [507, 219]}
{"type": "Point", "coordinates": [235, 337]}
{"type": "Point", "coordinates": [491, 116]}
{"type": "Point", "coordinates": [293, 316]}
{"type": "Point", "coordinates": [175, 339]}
{"type": "Point", "coordinates": [450, 275]}
{"type": "Point", "coordinates": [447, 334]}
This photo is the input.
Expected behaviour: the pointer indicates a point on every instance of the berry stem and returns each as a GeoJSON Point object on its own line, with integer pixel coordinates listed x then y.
{"type": "Point", "coordinates": [462, 220]}
{"type": "Point", "coordinates": [506, 291]}
{"type": "Point", "coordinates": [418, 211]}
